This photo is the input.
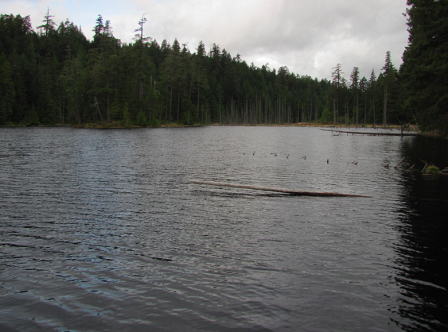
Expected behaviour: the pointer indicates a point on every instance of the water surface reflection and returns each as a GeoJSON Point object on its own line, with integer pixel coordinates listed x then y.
{"type": "Point", "coordinates": [102, 230]}
{"type": "Point", "coordinates": [422, 259]}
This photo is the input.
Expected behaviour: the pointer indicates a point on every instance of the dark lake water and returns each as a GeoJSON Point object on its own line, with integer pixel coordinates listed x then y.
{"type": "Point", "coordinates": [101, 230]}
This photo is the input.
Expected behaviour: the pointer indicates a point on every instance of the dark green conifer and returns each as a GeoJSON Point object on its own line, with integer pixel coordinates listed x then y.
{"type": "Point", "coordinates": [423, 75]}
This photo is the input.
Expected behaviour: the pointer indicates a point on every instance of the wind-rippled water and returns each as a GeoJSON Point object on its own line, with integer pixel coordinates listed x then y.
{"type": "Point", "coordinates": [101, 230]}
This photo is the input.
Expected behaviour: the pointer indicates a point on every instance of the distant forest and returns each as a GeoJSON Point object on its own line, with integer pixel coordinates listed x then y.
{"type": "Point", "coordinates": [57, 76]}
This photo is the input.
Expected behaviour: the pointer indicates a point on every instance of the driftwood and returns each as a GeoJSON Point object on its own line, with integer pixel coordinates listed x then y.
{"type": "Point", "coordinates": [396, 166]}
{"type": "Point", "coordinates": [426, 165]}
{"type": "Point", "coordinates": [280, 190]}
{"type": "Point", "coordinates": [371, 133]}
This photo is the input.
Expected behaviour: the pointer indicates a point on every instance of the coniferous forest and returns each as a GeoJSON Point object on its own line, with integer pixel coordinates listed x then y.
{"type": "Point", "coordinates": [55, 75]}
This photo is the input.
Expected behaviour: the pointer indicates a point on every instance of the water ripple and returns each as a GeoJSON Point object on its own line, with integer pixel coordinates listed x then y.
{"type": "Point", "coordinates": [102, 230]}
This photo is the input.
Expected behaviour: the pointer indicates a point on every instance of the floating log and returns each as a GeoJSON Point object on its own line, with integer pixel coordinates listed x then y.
{"type": "Point", "coordinates": [371, 133]}
{"type": "Point", "coordinates": [280, 190]}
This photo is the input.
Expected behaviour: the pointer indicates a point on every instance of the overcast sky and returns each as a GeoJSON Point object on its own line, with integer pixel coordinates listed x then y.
{"type": "Point", "coordinates": [308, 36]}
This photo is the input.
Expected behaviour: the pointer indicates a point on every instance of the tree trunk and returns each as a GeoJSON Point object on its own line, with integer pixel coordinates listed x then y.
{"type": "Point", "coordinates": [108, 108]}
{"type": "Point", "coordinates": [385, 107]}
{"type": "Point", "coordinates": [171, 103]}
{"type": "Point", "coordinates": [373, 105]}
{"type": "Point", "coordinates": [334, 112]}
{"type": "Point", "coordinates": [178, 101]}
{"type": "Point", "coordinates": [365, 110]}
{"type": "Point", "coordinates": [98, 109]}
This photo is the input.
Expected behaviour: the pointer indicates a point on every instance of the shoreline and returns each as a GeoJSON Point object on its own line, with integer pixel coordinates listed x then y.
{"type": "Point", "coordinates": [117, 125]}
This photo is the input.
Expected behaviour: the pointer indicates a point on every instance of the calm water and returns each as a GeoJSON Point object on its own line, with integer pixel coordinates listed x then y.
{"type": "Point", "coordinates": [101, 230]}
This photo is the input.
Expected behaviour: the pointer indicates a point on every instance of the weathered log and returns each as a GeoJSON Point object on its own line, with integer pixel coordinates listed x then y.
{"type": "Point", "coordinates": [281, 190]}
{"type": "Point", "coordinates": [371, 133]}
{"type": "Point", "coordinates": [426, 165]}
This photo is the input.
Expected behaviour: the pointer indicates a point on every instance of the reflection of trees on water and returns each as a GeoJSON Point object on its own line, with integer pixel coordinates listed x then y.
{"type": "Point", "coordinates": [433, 151]}
{"type": "Point", "coordinates": [422, 251]}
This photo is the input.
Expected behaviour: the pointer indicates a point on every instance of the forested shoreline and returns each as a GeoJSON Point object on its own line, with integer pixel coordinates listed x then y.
{"type": "Point", "coordinates": [55, 75]}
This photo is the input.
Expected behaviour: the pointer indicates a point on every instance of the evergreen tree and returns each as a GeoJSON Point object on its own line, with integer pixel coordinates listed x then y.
{"type": "Point", "coordinates": [172, 75]}
{"type": "Point", "coordinates": [49, 24]}
{"type": "Point", "coordinates": [338, 85]}
{"type": "Point", "coordinates": [354, 86]}
{"type": "Point", "coordinates": [58, 76]}
{"type": "Point", "coordinates": [199, 82]}
{"type": "Point", "coordinates": [372, 90]}
{"type": "Point", "coordinates": [363, 87]}
{"type": "Point", "coordinates": [7, 91]}
{"type": "Point", "coordinates": [142, 68]}
{"type": "Point", "coordinates": [424, 71]}
{"type": "Point", "coordinates": [388, 80]}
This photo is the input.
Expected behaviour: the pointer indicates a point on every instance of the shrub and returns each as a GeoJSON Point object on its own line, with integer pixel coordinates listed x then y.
{"type": "Point", "coordinates": [154, 123]}
{"type": "Point", "coordinates": [126, 115]}
{"type": "Point", "coordinates": [33, 118]}
{"type": "Point", "coordinates": [141, 119]}
{"type": "Point", "coordinates": [431, 169]}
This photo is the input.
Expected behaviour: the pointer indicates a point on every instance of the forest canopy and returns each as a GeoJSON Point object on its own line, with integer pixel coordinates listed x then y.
{"type": "Point", "coordinates": [57, 76]}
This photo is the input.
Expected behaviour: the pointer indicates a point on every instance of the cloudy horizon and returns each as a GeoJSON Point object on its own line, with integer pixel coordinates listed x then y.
{"type": "Point", "coordinates": [309, 37]}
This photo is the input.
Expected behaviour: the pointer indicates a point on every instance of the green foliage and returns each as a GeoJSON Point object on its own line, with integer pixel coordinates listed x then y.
{"type": "Point", "coordinates": [33, 118]}
{"type": "Point", "coordinates": [431, 169]}
{"type": "Point", "coordinates": [326, 117]}
{"type": "Point", "coordinates": [115, 111]}
{"type": "Point", "coordinates": [48, 25]}
{"type": "Point", "coordinates": [154, 123]}
{"type": "Point", "coordinates": [72, 80]}
{"type": "Point", "coordinates": [127, 121]}
{"type": "Point", "coordinates": [141, 119]}
{"type": "Point", "coordinates": [7, 92]}
{"type": "Point", "coordinates": [58, 76]}
{"type": "Point", "coordinates": [424, 70]}
{"type": "Point", "coordinates": [48, 115]}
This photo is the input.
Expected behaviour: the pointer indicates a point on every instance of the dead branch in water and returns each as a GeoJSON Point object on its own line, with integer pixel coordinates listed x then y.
{"type": "Point", "coordinates": [396, 166]}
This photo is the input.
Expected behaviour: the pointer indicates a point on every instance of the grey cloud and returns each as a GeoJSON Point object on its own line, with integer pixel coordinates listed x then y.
{"type": "Point", "coordinates": [308, 36]}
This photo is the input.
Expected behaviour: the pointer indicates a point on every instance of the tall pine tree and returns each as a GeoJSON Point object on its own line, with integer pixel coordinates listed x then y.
{"type": "Point", "coordinates": [424, 73]}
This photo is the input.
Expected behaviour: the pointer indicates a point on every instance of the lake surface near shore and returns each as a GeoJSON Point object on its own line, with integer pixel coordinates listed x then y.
{"type": "Point", "coordinates": [102, 230]}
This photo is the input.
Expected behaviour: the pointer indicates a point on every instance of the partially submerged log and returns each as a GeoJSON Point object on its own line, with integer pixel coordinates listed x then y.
{"type": "Point", "coordinates": [371, 133]}
{"type": "Point", "coordinates": [280, 190]}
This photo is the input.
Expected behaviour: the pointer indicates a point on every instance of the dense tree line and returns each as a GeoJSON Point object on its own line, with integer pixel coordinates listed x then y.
{"type": "Point", "coordinates": [424, 73]}
{"type": "Point", "coordinates": [56, 75]}
{"type": "Point", "coordinates": [361, 101]}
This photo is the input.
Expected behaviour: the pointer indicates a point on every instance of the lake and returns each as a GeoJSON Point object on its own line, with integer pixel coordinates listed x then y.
{"type": "Point", "coordinates": [102, 230]}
